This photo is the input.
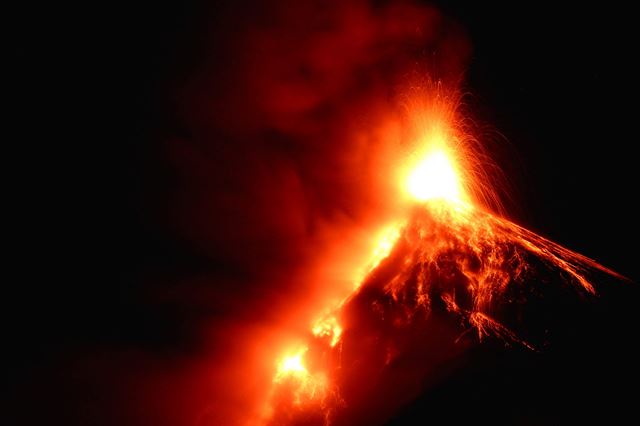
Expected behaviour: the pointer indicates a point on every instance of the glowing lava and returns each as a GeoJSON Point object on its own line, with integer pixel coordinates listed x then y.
{"type": "Point", "coordinates": [292, 365]}
{"type": "Point", "coordinates": [382, 247]}
{"type": "Point", "coordinates": [328, 327]}
{"type": "Point", "coordinates": [294, 379]}
{"type": "Point", "coordinates": [435, 178]}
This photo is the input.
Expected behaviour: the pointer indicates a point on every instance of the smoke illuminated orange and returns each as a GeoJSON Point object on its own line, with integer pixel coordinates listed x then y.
{"type": "Point", "coordinates": [291, 365]}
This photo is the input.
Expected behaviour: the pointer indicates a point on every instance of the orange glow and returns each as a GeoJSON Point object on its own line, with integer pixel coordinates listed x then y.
{"type": "Point", "coordinates": [292, 365]}
{"type": "Point", "coordinates": [435, 178]}
{"type": "Point", "coordinates": [302, 385]}
{"type": "Point", "coordinates": [382, 247]}
{"type": "Point", "coordinates": [328, 327]}
{"type": "Point", "coordinates": [439, 156]}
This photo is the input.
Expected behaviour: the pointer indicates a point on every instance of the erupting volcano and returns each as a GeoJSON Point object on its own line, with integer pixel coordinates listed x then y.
{"type": "Point", "coordinates": [447, 276]}
{"type": "Point", "coordinates": [325, 213]}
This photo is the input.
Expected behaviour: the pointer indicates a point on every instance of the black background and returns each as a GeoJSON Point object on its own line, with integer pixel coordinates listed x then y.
{"type": "Point", "coordinates": [559, 82]}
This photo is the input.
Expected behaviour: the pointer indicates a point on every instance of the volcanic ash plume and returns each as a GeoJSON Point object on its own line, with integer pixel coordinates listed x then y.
{"type": "Point", "coordinates": [455, 278]}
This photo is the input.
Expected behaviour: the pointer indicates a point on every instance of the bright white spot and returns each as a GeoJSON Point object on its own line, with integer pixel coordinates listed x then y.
{"type": "Point", "coordinates": [293, 364]}
{"type": "Point", "coordinates": [434, 177]}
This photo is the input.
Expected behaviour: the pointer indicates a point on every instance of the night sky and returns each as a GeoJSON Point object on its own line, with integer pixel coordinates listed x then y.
{"type": "Point", "coordinates": [158, 236]}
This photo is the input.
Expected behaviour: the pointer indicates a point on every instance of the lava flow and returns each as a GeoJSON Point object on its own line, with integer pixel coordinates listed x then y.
{"type": "Point", "coordinates": [448, 275]}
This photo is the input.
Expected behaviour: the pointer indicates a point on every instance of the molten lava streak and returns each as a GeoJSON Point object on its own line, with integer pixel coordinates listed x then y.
{"type": "Point", "coordinates": [447, 268]}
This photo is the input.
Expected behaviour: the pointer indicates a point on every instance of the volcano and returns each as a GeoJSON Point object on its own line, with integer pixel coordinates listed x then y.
{"type": "Point", "coordinates": [457, 281]}
{"type": "Point", "coordinates": [461, 313]}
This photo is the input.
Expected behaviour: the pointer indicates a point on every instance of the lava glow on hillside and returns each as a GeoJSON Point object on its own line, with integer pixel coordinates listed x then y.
{"type": "Point", "coordinates": [447, 274]}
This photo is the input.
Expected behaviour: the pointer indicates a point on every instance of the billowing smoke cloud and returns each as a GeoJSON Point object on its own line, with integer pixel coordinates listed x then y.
{"type": "Point", "coordinates": [283, 122]}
